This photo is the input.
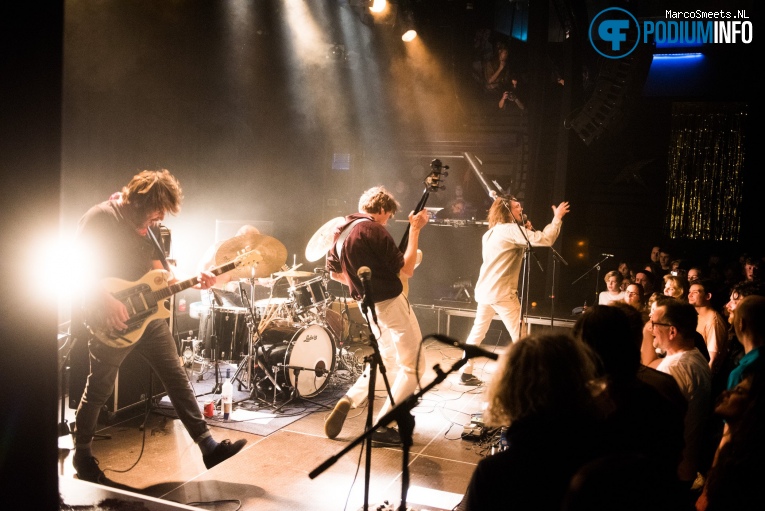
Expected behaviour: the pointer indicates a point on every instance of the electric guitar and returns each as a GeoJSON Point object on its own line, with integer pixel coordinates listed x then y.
{"type": "Point", "coordinates": [432, 185]}
{"type": "Point", "coordinates": [145, 300]}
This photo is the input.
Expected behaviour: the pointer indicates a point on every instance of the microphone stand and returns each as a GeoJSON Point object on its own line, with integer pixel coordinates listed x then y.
{"type": "Point", "coordinates": [597, 276]}
{"type": "Point", "coordinates": [556, 257]}
{"type": "Point", "coordinates": [400, 413]}
{"type": "Point", "coordinates": [526, 275]}
{"type": "Point", "coordinates": [295, 393]}
{"type": "Point", "coordinates": [375, 361]}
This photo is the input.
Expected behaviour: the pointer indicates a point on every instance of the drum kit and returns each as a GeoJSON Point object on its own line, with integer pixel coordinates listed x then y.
{"type": "Point", "coordinates": [287, 345]}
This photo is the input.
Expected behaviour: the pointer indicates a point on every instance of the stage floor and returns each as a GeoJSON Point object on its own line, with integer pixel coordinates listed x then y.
{"type": "Point", "coordinates": [272, 472]}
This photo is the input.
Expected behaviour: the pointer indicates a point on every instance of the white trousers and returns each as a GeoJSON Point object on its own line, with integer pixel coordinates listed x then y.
{"type": "Point", "coordinates": [399, 339]}
{"type": "Point", "coordinates": [510, 313]}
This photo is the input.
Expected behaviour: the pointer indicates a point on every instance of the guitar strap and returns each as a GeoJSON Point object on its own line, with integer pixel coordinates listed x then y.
{"type": "Point", "coordinates": [161, 250]}
{"type": "Point", "coordinates": [344, 234]}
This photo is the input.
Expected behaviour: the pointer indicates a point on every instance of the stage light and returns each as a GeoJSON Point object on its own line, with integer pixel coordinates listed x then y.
{"type": "Point", "coordinates": [409, 35]}
{"type": "Point", "coordinates": [378, 6]}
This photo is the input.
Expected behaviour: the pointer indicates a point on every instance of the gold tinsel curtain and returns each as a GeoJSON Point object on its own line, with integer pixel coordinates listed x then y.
{"type": "Point", "coordinates": [706, 164]}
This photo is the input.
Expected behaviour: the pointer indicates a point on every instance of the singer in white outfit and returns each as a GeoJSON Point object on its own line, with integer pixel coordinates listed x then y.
{"type": "Point", "coordinates": [497, 288]}
{"type": "Point", "coordinates": [363, 241]}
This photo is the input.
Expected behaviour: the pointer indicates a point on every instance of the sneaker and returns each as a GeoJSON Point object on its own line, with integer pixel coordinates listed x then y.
{"type": "Point", "coordinates": [87, 469]}
{"type": "Point", "coordinates": [470, 380]}
{"type": "Point", "coordinates": [386, 437]}
{"type": "Point", "coordinates": [223, 452]}
{"type": "Point", "coordinates": [333, 425]}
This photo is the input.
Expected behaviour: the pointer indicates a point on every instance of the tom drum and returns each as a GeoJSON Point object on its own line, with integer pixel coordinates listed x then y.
{"type": "Point", "coordinates": [310, 295]}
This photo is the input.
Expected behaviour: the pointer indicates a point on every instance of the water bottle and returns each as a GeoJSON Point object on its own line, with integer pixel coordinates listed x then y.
{"type": "Point", "coordinates": [227, 398]}
{"type": "Point", "coordinates": [503, 443]}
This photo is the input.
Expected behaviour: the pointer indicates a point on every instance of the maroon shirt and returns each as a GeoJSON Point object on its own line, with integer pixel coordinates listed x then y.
{"type": "Point", "coordinates": [368, 244]}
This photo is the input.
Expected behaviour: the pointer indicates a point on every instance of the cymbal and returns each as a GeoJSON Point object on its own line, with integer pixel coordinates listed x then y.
{"type": "Point", "coordinates": [293, 273]}
{"type": "Point", "coordinates": [321, 241]}
{"type": "Point", "coordinates": [274, 254]}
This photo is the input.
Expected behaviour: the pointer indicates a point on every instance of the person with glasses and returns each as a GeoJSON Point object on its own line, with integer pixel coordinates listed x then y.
{"type": "Point", "coordinates": [634, 297]}
{"type": "Point", "coordinates": [673, 325]}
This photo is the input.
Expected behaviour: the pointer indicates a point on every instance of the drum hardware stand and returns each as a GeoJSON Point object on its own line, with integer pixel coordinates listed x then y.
{"type": "Point", "coordinates": [402, 415]}
{"type": "Point", "coordinates": [214, 342]}
{"type": "Point", "coordinates": [295, 393]}
{"type": "Point", "coordinates": [246, 363]}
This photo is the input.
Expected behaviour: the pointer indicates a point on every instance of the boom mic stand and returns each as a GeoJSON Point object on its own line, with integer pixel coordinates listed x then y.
{"type": "Point", "coordinates": [400, 413]}
{"type": "Point", "coordinates": [295, 393]}
{"type": "Point", "coordinates": [596, 267]}
{"type": "Point", "coordinates": [374, 360]}
{"type": "Point", "coordinates": [556, 257]}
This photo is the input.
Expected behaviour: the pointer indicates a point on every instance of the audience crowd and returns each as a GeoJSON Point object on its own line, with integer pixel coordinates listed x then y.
{"type": "Point", "coordinates": [654, 401]}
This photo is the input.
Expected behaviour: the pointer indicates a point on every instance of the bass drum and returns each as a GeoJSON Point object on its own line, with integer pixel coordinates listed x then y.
{"type": "Point", "coordinates": [308, 350]}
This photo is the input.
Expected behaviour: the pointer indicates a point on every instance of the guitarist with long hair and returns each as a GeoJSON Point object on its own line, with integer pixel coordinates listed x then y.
{"type": "Point", "coordinates": [118, 243]}
{"type": "Point", "coordinates": [362, 240]}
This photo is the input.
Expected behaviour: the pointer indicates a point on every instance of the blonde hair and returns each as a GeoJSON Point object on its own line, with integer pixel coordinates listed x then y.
{"type": "Point", "coordinates": [681, 286]}
{"type": "Point", "coordinates": [541, 376]}
{"type": "Point", "coordinates": [153, 190]}
{"type": "Point", "coordinates": [376, 200]}
{"type": "Point", "coordinates": [614, 273]}
{"type": "Point", "coordinates": [499, 212]}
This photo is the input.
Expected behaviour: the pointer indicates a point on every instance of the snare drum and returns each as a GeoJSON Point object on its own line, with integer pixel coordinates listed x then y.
{"type": "Point", "coordinates": [310, 295]}
{"type": "Point", "coordinates": [309, 348]}
{"type": "Point", "coordinates": [230, 330]}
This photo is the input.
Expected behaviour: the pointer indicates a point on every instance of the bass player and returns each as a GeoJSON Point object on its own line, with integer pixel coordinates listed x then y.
{"type": "Point", "coordinates": [362, 240]}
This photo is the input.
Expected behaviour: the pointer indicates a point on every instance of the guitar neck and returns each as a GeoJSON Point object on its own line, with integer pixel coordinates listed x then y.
{"type": "Point", "coordinates": [420, 205]}
{"type": "Point", "coordinates": [169, 291]}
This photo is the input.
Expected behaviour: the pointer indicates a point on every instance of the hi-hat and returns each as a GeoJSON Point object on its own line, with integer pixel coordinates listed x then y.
{"type": "Point", "coordinates": [321, 241]}
{"type": "Point", "coordinates": [274, 254]}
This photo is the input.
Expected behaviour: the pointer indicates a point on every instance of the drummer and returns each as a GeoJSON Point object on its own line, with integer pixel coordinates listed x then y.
{"type": "Point", "coordinates": [225, 287]}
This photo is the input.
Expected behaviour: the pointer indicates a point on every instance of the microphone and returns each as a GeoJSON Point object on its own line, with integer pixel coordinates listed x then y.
{"type": "Point", "coordinates": [524, 220]}
{"type": "Point", "coordinates": [365, 274]}
{"type": "Point", "coordinates": [607, 255]}
{"type": "Point", "coordinates": [319, 370]}
{"type": "Point", "coordinates": [471, 350]}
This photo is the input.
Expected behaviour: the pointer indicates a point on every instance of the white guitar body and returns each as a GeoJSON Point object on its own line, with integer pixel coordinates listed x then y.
{"type": "Point", "coordinates": [142, 307]}
{"type": "Point", "coordinates": [145, 300]}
